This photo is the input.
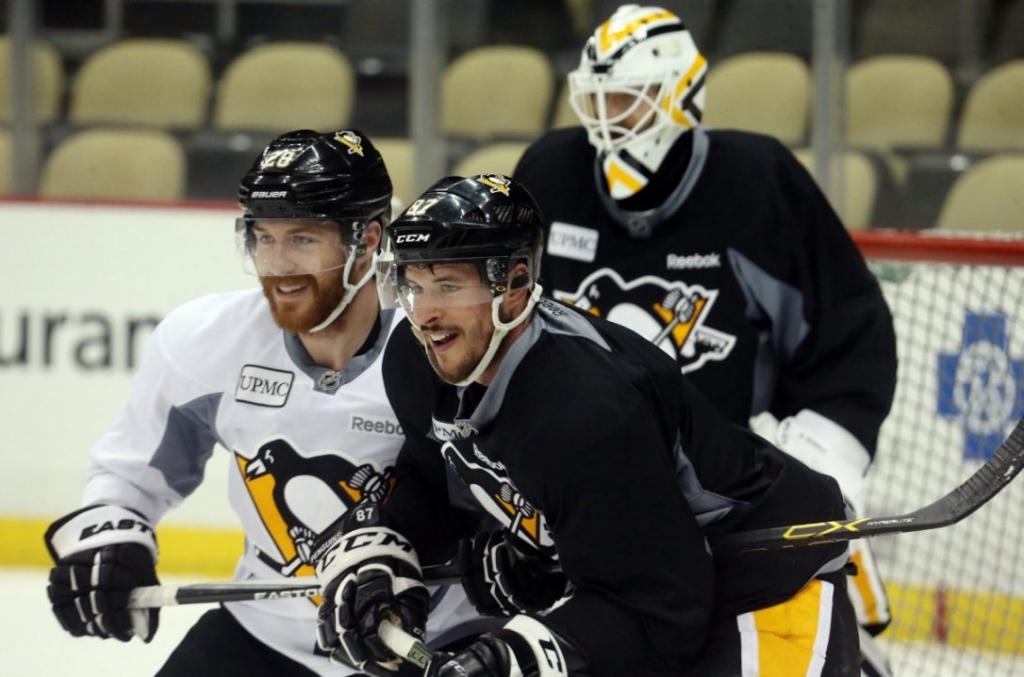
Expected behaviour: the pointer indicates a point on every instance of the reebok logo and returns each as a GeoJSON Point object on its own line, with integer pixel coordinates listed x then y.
{"type": "Point", "coordinates": [572, 242]}
{"type": "Point", "coordinates": [692, 261]}
{"type": "Point", "coordinates": [374, 425]}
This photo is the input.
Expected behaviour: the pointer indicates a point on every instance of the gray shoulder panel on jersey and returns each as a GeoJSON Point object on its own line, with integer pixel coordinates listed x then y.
{"type": "Point", "coordinates": [187, 443]}
{"type": "Point", "coordinates": [775, 304]}
{"type": "Point", "coordinates": [328, 380]}
{"type": "Point", "coordinates": [548, 316]}
{"type": "Point", "coordinates": [707, 506]}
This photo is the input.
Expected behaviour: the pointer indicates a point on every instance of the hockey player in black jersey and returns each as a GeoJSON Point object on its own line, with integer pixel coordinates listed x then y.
{"type": "Point", "coordinates": [718, 247]}
{"type": "Point", "coordinates": [578, 443]}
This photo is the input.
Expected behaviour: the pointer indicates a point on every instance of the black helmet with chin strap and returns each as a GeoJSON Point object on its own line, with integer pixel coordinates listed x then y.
{"type": "Point", "coordinates": [338, 176]}
{"type": "Point", "coordinates": [487, 219]}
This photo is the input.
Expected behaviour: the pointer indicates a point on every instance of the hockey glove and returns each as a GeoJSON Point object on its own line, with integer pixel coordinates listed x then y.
{"type": "Point", "coordinates": [100, 554]}
{"type": "Point", "coordinates": [525, 647]}
{"type": "Point", "coordinates": [822, 445]}
{"type": "Point", "coordinates": [367, 572]}
{"type": "Point", "coordinates": [501, 580]}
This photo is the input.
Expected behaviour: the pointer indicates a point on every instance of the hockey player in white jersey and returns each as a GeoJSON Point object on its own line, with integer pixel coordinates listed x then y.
{"type": "Point", "coordinates": [287, 380]}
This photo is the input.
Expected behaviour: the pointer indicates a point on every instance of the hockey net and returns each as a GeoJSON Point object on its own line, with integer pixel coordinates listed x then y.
{"type": "Point", "coordinates": [956, 594]}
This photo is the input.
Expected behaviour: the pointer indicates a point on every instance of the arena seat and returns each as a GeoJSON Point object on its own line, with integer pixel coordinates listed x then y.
{"type": "Point", "coordinates": [993, 115]}
{"type": "Point", "coordinates": [116, 164]}
{"type": "Point", "coordinates": [861, 182]}
{"type": "Point", "coordinates": [497, 92]}
{"type": "Point", "coordinates": [48, 81]}
{"type": "Point", "coordinates": [763, 92]}
{"type": "Point", "coordinates": [493, 158]}
{"type": "Point", "coordinates": [144, 81]}
{"type": "Point", "coordinates": [987, 197]}
{"type": "Point", "coordinates": [283, 86]}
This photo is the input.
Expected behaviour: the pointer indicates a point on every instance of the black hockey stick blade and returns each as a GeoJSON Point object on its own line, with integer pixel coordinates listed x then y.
{"type": "Point", "coordinates": [979, 488]}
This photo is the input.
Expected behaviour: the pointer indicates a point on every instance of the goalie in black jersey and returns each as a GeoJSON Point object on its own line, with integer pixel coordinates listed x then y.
{"type": "Point", "coordinates": [718, 247]}
{"type": "Point", "coordinates": [580, 448]}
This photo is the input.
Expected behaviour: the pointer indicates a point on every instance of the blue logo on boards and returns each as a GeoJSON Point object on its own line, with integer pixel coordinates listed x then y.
{"type": "Point", "coordinates": [982, 386]}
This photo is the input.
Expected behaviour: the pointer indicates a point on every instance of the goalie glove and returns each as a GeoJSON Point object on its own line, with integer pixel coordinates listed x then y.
{"type": "Point", "coordinates": [524, 647]}
{"type": "Point", "coordinates": [101, 553]}
{"type": "Point", "coordinates": [367, 573]}
{"type": "Point", "coordinates": [822, 445]}
{"type": "Point", "coordinates": [500, 580]}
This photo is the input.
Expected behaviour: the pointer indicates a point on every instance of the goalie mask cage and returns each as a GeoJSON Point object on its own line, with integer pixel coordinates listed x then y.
{"type": "Point", "coordinates": [957, 593]}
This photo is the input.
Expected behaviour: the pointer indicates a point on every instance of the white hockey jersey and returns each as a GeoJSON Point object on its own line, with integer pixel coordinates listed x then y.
{"type": "Point", "coordinates": [305, 443]}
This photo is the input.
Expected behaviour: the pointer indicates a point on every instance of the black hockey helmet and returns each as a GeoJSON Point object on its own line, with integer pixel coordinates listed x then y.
{"type": "Point", "coordinates": [487, 219]}
{"type": "Point", "coordinates": [306, 174]}
{"type": "Point", "coordinates": [308, 178]}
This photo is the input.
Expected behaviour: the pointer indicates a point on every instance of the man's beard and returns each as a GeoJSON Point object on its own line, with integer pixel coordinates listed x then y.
{"type": "Point", "coordinates": [299, 318]}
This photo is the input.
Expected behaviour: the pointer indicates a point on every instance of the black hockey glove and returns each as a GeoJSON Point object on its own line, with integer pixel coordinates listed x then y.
{"type": "Point", "coordinates": [100, 554]}
{"type": "Point", "coordinates": [500, 580]}
{"type": "Point", "coordinates": [367, 573]}
{"type": "Point", "coordinates": [525, 647]}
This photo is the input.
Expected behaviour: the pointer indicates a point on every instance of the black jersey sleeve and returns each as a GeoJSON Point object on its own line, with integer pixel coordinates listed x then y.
{"type": "Point", "coordinates": [845, 366]}
{"type": "Point", "coordinates": [597, 463]}
{"type": "Point", "coordinates": [419, 505]}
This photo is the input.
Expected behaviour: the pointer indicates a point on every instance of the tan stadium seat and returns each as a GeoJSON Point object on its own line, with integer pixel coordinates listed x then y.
{"type": "Point", "coordinates": [147, 81]}
{"type": "Point", "coordinates": [762, 92]}
{"type": "Point", "coordinates": [116, 164]}
{"type": "Point", "coordinates": [48, 82]}
{"type": "Point", "coordinates": [497, 92]}
{"type": "Point", "coordinates": [898, 101]}
{"type": "Point", "coordinates": [987, 197]}
{"type": "Point", "coordinates": [286, 85]}
{"type": "Point", "coordinates": [400, 157]}
{"type": "Point", "coordinates": [861, 184]}
{"type": "Point", "coordinates": [564, 115]}
{"type": "Point", "coordinates": [993, 117]}
{"type": "Point", "coordinates": [494, 158]}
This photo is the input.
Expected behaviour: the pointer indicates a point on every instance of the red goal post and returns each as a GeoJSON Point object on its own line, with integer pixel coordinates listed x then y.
{"type": "Point", "coordinates": [957, 594]}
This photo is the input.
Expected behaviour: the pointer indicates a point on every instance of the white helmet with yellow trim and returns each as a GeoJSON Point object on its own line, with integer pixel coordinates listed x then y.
{"type": "Point", "coordinates": [638, 88]}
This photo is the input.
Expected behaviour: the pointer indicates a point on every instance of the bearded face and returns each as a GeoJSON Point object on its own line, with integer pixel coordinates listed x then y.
{"type": "Point", "coordinates": [301, 302]}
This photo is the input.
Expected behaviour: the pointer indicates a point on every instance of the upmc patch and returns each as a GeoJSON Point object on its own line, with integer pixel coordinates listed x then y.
{"type": "Point", "coordinates": [263, 386]}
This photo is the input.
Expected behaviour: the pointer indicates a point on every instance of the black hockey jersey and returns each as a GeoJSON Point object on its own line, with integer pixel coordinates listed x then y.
{"type": "Point", "coordinates": [753, 284]}
{"type": "Point", "coordinates": [589, 446]}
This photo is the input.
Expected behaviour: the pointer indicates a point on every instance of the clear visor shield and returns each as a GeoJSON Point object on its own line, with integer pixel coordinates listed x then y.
{"type": "Point", "coordinates": [614, 111]}
{"type": "Point", "coordinates": [437, 285]}
{"type": "Point", "coordinates": [281, 247]}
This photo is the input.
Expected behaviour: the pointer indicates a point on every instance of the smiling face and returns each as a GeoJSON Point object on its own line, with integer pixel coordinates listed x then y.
{"type": "Point", "coordinates": [301, 264]}
{"type": "Point", "coordinates": [451, 308]}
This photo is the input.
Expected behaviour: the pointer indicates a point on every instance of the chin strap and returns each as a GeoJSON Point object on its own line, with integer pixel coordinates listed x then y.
{"type": "Point", "coordinates": [501, 329]}
{"type": "Point", "coordinates": [350, 290]}
{"type": "Point", "coordinates": [641, 224]}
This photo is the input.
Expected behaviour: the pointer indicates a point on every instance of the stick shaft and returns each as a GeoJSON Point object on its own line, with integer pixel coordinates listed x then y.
{"type": "Point", "coordinates": [982, 486]}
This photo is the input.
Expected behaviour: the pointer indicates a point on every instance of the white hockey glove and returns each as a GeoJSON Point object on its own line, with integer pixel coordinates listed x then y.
{"type": "Point", "coordinates": [822, 445]}
{"type": "Point", "coordinates": [524, 647]}
{"type": "Point", "coordinates": [367, 572]}
{"type": "Point", "coordinates": [100, 554]}
{"type": "Point", "coordinates": [501, 580]}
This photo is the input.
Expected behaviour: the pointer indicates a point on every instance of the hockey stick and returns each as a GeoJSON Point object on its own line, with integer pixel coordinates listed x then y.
{"type": "Point", "coordinates": [152, 596]}
{"type": "Point", "coordinates": [979, 488]}
{"type": "Point", "coordinates": [989, 480]}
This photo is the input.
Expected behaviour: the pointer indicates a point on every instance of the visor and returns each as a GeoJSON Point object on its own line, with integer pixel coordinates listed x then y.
{"type": "Point", "coordinates": [280, 247]}
{"type": "Point", "coordinates": [436, 284]}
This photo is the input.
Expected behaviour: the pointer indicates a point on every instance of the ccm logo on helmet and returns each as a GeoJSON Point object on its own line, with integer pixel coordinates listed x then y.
{"type": "Point", "coordinates": [410, 238]}
{"type": "Point", "coordinates": [269, 193]}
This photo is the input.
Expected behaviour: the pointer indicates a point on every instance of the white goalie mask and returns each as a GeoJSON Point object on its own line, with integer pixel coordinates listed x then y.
{"type": "Point", "coordinates": [638, 88]}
